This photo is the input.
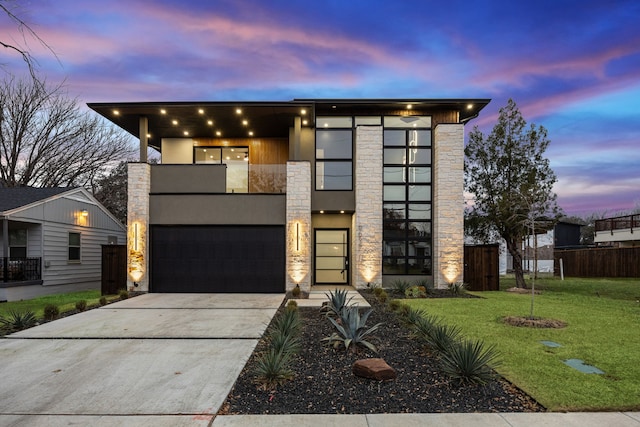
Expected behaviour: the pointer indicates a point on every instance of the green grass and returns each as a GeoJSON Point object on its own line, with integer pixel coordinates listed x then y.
{"type": "Point", "coordinates": [65, 302]}
{"type": "Point", "coordinates": [603, 317]}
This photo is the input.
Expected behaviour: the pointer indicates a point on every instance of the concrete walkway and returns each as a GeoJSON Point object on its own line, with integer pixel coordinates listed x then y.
{"type": "Point", "coordinates": [156, 359]}
{"type": "Point", "coordinates": [170, 360]}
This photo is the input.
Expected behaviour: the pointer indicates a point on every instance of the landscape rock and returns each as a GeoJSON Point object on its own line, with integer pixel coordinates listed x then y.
{"type": "Point", "coordinates": [375, 369]}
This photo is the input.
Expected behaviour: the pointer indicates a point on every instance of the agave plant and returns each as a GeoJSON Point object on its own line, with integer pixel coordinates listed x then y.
{"type": "Point", "coordinates": [470, 361]}
{"type": "Point", "coordinates": [414, 315]}
{"type": "Point", "coordinates": [18, 320]}
{"type": "Point", "coordinates": [352, 329]}
{"type": "Point", "coordinates": [284, 342]}
{"type": "Point", "coordinates": [441, 337]}
{"type": "Point", "coordinates": [337, 301]}
{"type": "Point", "coordinates": [400, 286]}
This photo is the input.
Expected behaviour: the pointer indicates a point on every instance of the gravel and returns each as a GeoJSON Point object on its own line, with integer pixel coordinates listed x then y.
{"type": "Point", "coordinates": [324, 383]}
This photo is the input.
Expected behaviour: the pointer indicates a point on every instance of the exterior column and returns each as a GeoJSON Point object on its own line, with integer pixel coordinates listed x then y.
{"type": "Point", "coordinates": [144, 131]}
{"type": "Point", "coordinates": [367, 220]}
{"type": "Point", "coordinates": [5, 248]}
{"type": "Point", "coordinates": [298, 225]}
{"type": "Point", "coordinates": [139, 186]}
{"type": "Point", "coordinates": [448, 204]}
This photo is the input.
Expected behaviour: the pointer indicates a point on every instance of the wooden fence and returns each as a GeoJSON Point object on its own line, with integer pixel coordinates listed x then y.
{"type": "Point", "coordinates": [598, 262]}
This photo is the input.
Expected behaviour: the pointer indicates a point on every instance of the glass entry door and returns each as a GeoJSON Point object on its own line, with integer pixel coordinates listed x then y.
{"type": "Point", "coordinates": [332, 257]}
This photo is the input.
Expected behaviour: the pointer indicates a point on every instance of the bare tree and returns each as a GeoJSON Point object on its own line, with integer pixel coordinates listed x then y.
{"type": "Point", "coordinates": [25, 32]}
{"type": "Point", "coordinates": [47, 141]}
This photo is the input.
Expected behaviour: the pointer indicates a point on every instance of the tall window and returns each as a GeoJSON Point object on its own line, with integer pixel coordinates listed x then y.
{"type": "Point", "coordinates": [18, 243]}
{"type": "Point", "coordinates": [74, 246]}
{"type": "Point", "coordinates": [334, 153]}
{"type": "Point", "coordinates": [407, 196]}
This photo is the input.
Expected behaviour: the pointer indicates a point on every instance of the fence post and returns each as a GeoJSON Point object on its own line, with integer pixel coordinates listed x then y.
{"type": "Point", "coordinates": [561, 270]}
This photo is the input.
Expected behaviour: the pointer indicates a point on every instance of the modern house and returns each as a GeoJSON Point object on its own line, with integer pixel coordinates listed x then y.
{"type": "Point", "coordinates": [622, 231]}
{"type": "Point", "coordinates": [51, 241]}
{"type": "Point", "coordinates": [265, 196]}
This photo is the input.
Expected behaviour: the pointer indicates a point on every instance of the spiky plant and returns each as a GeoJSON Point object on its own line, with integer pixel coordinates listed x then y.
{"type": "Point", "coordinates": [400, 286]}
{"type": "Point", "coordinates": [284, 342]}
{"type": "Point", "coordinates": [337, 301]}
{"type": "Point", "coordinates": [414, 315]}
{"type": "Point", "coordinates": [470, 361]}
{"type": "Point", "coordinates": [457, 288]}
{"type": "Point", "coordinates": [287, 323]}
{"type": "Point", "coordinates": [441, 337]}
{"type": "Point", "coordinates": [18, 320]}
{"type": "Point", "coordinates": [352, 329]}
{"type": "Point", "coordinates": [272, 368]}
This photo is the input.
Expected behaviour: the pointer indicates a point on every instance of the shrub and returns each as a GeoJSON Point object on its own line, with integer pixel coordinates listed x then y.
{"type": "Point", "coordinates": [51, 312]}
{"type": "Point", "coordinates": [378, 290]}
{"type": "Point", "coordinates": [81, 305]}
{"type": "Point", "coordinates": [427, 285]}
{"type": "Point", "coordinates": [457, 288]}
{"type": "Point", "coordinates": [291, 305]}
{"type": "Point", "coordinates": [396, 305]}
{"type": "Point", "coordinates": [416, 292]}
{"type": "Point", "coordinates": [352, 329]}
{"type": "Point", "coordinates": [382, 296]}
{"type": "Point", "coordinates": [124, 294]}
{"type": "Point", "coordinates": [286, 343]}
{"type": "Point", "coordinates": [18, 320]}
{"type": "Point", "coordinates": [103, 300]}
{"type": "Point", "coordinates": [400, 286]}
{"type": "Point", "coordinates": [272, 368]}
{"type": "Point", "coordinates": [470, 361]}
{"type": "Point", "coordinates": [295, 292]}
{"type": "Point", "coordinates": [337, 301]}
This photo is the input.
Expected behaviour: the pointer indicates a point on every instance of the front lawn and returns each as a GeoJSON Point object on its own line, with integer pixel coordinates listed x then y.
{"type": "Point", "coordinates": [65, 302]}
{"type": "Point", "coordinates": [603, 329]}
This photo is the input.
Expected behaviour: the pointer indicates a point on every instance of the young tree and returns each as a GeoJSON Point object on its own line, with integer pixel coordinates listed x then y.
{"type": "Point", "coordinates": [511, 182]}
{"type": "Point", "coordinates": [47, 141]}
{"type": "Point", "coordinates": [111, 191]}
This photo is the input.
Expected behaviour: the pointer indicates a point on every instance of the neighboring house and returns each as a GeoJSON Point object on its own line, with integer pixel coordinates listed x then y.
{"type": "Point", "coordinates": [264, 196]}
{"type": "Point", "coordinates": [621, 231]}
{"type": "Point", "coordinates": [564, 235]}
{"type": "Point", "coordinates": [51, 241]}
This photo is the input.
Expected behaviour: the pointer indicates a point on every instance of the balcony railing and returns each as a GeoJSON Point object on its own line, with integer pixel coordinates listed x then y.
{"type": "Point", "coordinates": [618, 223]}
{"type": "Point", "coordinates": [268, 178]}
{"type": "Point", "coordinates": [20, 269]}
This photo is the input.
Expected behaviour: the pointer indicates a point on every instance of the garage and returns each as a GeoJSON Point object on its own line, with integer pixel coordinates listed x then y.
{"type": "Point", "coordinates": [223, 259]}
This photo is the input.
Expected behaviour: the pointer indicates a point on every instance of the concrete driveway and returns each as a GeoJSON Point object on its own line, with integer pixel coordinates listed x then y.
{"type": "Point", "coordinates": [156, 359]}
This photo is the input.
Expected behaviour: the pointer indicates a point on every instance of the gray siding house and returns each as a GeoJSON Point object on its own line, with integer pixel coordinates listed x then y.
{"type": "Point", "coordinates": [51, 241]}
{"type": "Point", "coordinates": [266, 196]}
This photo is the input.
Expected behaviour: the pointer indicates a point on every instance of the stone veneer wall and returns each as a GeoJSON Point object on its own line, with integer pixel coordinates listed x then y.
{"type": "Point", "coordinates": [298, 226]}
{"type": "Point", "coordinates": [367, 219]}
{"type": "Point", "coordinates": [448, 204]}
{"type": "Point", "coordinates": [139, 186]}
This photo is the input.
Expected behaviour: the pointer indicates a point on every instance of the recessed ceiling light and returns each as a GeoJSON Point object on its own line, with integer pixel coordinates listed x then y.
{"type": "Point", "coordinates": [218, 133]}
{"type": "Point", "coordinates": [238, 111]}
{"type": "Point", "coordinates": [326, 125]}
{"type": "Point", "coordinates": [245, 122]}
{"type": "Point", "coordinates": [201, 111]}
{"type": "Point", "coordinates": [210, 122]}
{"type": "Point", "coordinates": [250, 133]}
{"type": "Point", "coordinates": [333, 106]}
{"type": "Point", "coordinates": [148, 135]}
{"type": "Point", "coordinates": [228, 158]}
{"type": "Point", "coordinates": [163, 111]}
{"type": "Point", "coordinates": [116, 112]}
{"type": "Point", "coordinates": [409, 107]}
{"type": "Point", "coordinates": [233, 149]}
{"type": "Point", "coordinates": [211, 156]}
{"type": "Point", "coordinates": [175, 122]}
{"type": "Point", "coordinates": [469, 106]}
{"type": "Point", "coordinates": [341, 211]}
{"type": "Point", "coordinates": [205, 150]}
{"type": "Point", "coordinates": [321, 211]}
{"type": "Point", "coordinates": [305, 122]}
{"type": "Point", "coordinates": [237, 157]}
{"type": "Point", "coordinates": [186, 133]}
{"type": "Point", "coordinates": [303, 111]}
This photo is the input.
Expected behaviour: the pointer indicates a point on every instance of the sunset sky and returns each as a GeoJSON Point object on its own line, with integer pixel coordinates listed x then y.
{"type": "Point", "coordinates": [571, 66]}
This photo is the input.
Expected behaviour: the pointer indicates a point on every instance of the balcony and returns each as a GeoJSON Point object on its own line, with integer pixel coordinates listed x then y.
{"type": "Point", "coordinates": [20, 269]}
{"type": "Point", "coordinates": [623, 229]}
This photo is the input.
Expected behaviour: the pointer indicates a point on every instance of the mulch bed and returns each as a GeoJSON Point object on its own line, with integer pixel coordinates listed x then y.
{"type": "Point", "coordinates": [324, 383]}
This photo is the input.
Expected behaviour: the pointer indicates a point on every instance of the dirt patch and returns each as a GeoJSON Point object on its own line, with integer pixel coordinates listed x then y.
{"type": "Point", "coordinates": [534, 322]}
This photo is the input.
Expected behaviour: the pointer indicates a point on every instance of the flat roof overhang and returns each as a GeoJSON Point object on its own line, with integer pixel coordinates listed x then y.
{"type": "Point", "coordinates": [261, 119]}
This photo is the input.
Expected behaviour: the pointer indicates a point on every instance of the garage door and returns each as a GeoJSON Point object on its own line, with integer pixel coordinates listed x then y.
{"type": "Point", "coordinates": [217, 259]}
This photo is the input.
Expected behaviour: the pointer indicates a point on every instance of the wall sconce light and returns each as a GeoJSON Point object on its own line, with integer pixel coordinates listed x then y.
{"type": "Point", "coordinates": [136, 235]}
{"type": "Point", "coordinates": [297, 236]}
{"type": "Point", "coordinates": [84, 213]}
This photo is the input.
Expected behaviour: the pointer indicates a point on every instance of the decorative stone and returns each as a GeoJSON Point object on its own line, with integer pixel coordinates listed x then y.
{"type": "Point", "coordinates": [375, 369]}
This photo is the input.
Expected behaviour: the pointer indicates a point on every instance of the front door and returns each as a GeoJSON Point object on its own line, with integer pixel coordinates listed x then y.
{"type": "Point", "coordinates": [332, 256]}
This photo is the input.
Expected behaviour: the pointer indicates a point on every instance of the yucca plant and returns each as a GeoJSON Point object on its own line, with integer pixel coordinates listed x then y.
{"type": "Point", "coordinates": [400, 286]}
{"type": "Point", "coordinates": [337, 301]}
{"type": "Point", "coordinates": [352, 329]}
{"type": "Point", "coordinates": [287, 323]}
{"type": "Point", "coordinates": [414, 315]}
{"type": "Point", "coordinates": [457, 288]}
{"type": "Point", "coordinates": [272, 368]}
{"type": "Point", "coordinates": [284, 342]}
{"type": "Point", "coordinates": [18, 320]}
{"type": "Point", "coordinates": [470, 361]}
{"type": "Point", "coordinates": [440, 337]}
